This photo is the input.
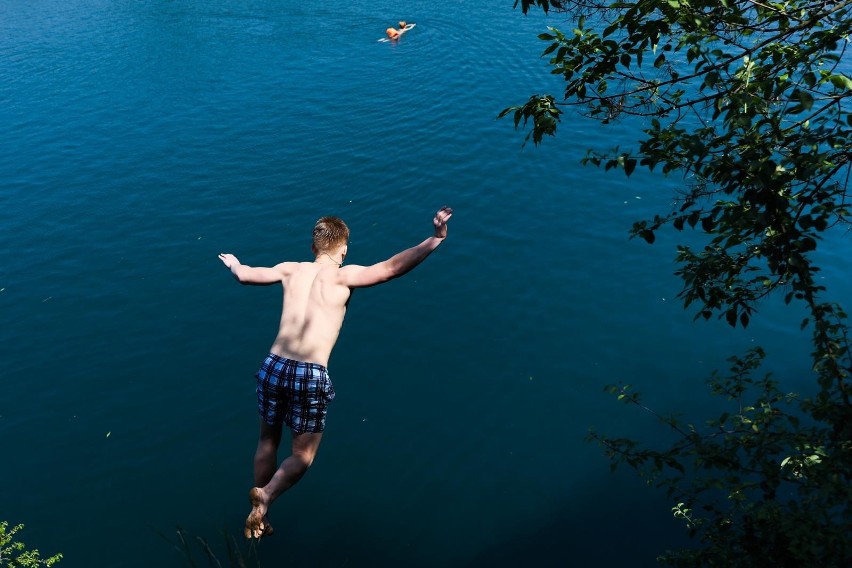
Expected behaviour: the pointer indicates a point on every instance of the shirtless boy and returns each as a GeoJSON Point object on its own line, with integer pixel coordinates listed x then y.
{"type": "Point", "coordinates": [293, 386]}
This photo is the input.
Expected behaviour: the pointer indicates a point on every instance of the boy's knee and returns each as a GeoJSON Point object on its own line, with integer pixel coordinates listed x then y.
{"type": "Point", "coordinates": [304, 458]}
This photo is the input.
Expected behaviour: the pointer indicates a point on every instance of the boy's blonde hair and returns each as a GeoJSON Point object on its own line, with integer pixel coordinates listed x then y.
{"type": "Point", "coordinates": [330, 233]}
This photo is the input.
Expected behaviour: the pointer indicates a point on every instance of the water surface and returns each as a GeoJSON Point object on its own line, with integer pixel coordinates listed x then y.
{"type": "Point", "coordinates": [138, 140]}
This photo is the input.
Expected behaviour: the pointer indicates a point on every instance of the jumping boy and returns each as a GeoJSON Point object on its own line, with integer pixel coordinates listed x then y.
{"type": "Point", "coordinates": [293, 385]}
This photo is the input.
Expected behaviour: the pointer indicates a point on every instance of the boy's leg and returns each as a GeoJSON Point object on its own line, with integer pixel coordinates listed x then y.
{"type": "Point", "coordinates": [304, 450]}
{"type": "Point", "coordinates": [291, 470]}
{"type": "Point", "coordinates": [266, 455]}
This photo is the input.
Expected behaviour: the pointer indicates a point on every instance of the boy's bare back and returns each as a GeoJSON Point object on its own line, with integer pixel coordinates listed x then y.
{"type": "Point", "coordinates": [312, 312]}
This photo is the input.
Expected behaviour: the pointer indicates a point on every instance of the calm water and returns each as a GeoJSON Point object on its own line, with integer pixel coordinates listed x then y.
{"type": "Point", "coordinates": [140, 139]}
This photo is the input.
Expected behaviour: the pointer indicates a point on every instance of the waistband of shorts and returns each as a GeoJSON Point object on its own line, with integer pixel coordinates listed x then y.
{"type": "Point", "coordinates": [303, 364]}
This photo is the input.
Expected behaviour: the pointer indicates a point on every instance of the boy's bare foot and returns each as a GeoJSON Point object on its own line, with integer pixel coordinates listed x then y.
{"type": "Point", "coordinates": [256, 525]}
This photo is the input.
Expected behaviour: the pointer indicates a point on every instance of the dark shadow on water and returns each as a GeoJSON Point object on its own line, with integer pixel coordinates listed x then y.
{"type": "Point", "coordinates": [593, 520]}
{"type": "Point", "coordinates": [589, 532]}
{"type": "Point", "coordinates": [627, 526]}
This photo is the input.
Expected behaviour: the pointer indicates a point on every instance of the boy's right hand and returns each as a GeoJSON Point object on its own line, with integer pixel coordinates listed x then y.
{"type": "Point", "coordinates": [440, 221]}
{"type": "Point", "coordinates": [228, 260]}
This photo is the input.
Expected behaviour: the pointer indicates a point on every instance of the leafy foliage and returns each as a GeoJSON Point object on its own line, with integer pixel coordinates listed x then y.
{"type": "Point", "coordinates": [14, 554]}
{"type": "Point", "coordinates": [748, 101]}
{"type": "Point", "coordinates": [760, 485]}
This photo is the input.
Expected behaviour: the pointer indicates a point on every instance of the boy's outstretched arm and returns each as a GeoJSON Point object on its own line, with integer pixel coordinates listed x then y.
{"type": "Point", "coordinates": [257, 275]}
{"type": "Point", "coordinates": [355, 276]}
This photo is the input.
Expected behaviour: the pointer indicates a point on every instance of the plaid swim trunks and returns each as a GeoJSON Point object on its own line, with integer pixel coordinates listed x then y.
{"type": "Point", "coordinates": [293, 392]}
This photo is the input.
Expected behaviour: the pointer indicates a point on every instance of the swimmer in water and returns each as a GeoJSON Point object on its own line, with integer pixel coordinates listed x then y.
{"type": "Point", "coordinates": [395, 34]}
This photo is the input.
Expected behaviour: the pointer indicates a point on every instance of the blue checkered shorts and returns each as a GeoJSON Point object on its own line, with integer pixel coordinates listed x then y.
{"type": "Point", "coordinates": [293, 392]}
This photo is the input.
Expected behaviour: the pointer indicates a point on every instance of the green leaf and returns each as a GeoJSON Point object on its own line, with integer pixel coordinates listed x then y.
{"type": "Point", "coordinates": [731, 317]}
{"type": "Point", "coordinates": [693, 218]}
{"type": "Point", "coordinates": [841, 82]}
{"type": "Point", "coordinates": [710, 79]}
{"type": "Point", "coordinates": [805, 98]}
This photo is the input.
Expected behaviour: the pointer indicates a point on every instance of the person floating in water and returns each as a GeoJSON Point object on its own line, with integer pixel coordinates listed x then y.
{"type": "Point", "coordinates": [395, 34]}
{"type": "Point", "coordinates": [293, 384]}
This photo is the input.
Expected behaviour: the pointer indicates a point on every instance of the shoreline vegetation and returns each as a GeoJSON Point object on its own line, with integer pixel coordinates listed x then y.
{"type": "Point", "coordinates": [14, 553]}
{"type": "Point", "coordinates": [749, 103]}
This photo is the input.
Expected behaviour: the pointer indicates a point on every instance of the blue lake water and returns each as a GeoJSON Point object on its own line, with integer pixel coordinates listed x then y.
{"type": "Point", "coordinates": [140, 139]}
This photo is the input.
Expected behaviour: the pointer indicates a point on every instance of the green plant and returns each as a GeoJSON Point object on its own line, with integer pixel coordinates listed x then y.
{"type": "Point", "coordinates": [762, 484]}
{"type": "Point", "coordinates": [14, 554]}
